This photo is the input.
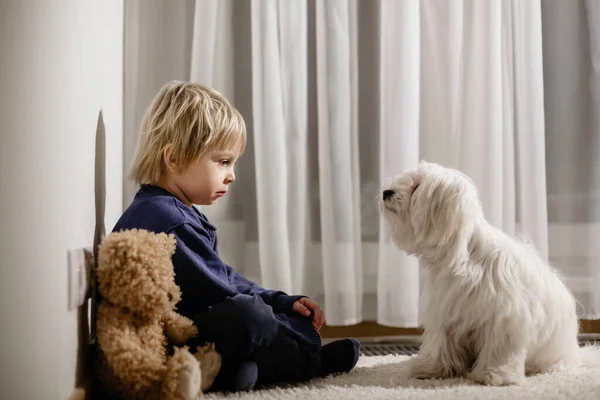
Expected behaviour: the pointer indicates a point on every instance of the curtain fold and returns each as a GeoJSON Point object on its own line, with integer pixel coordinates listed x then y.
{"type": "Point", "coordinates": [400, 77]}
{"type": "Point", "coordinates": [205, 34]}
{"type": "Point", "coordinates": [338, 179]}
{"type": "Point", "coordinates": [482, 122]}
{"type": "Point", "coordinates": [340, 95]}
{"type": "Point", "coordinates": [528, 120]}
{"type": "Point", "coordinates": [294, 64]}
{"type": "Point", "coordinates": [570, 59]}
{"type": "Point", "coordinates": [270, 134]}
{"type": "Point", "coordinates": [593, 24]}
{"type": "Point", "coordinates": [157, 48]}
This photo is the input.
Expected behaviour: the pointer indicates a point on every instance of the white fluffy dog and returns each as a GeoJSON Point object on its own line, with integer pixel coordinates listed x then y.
{"type": "Point", "coordinates": [492, 309]}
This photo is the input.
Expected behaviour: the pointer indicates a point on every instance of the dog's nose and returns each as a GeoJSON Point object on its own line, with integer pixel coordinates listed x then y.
{"type": "Point", "coordinates": [387, 194]}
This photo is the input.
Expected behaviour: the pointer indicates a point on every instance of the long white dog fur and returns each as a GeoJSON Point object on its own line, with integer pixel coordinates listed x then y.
{"type": "Point", "coordinates": [492, 310]}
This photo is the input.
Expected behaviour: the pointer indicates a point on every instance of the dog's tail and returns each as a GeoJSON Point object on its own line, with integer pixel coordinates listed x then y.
{"type": "Point", "coordinates": [590, 355]}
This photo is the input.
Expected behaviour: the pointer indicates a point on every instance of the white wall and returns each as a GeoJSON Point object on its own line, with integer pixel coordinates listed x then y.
{"type": "Point", "coordinates": [60, 63]}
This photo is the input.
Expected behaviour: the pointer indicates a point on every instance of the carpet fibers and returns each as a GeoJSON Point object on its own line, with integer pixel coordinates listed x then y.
{"type": "Point", "coordinates": [385, 377]}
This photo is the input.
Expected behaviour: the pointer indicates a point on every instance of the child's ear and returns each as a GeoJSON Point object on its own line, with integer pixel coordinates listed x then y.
{"type": "Point", "coordinates": [167, 157]}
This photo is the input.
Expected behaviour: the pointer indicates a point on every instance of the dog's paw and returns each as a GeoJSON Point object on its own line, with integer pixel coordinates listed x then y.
{"type": "Point", "coordinates": [419, 368]}
{"type": "Point", "coordinates": [491, 377]}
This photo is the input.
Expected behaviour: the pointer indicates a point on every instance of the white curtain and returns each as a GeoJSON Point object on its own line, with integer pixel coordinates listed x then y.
{"type": "Point", "coordinates": [571, 32]}
{"type": "Point", "coordinates": [340, 95]}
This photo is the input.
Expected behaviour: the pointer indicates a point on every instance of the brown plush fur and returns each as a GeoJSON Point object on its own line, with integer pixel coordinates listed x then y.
{"type": "Point", "coordinates": [137, 323]}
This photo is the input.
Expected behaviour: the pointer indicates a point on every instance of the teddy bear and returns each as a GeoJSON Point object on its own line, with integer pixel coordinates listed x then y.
{"type": "Point", "coordinates": [141, 337]}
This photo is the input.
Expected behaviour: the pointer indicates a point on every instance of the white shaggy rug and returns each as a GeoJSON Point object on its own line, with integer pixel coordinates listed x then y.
{"type": "Point", "coordinates": [385, 377]}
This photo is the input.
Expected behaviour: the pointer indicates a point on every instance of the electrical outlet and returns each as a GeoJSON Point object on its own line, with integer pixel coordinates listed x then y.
{"type": "Point", "coordinates": [80, 263]}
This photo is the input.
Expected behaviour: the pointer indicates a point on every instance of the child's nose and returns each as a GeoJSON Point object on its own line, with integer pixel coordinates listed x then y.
{"type": "Point", "coordinates": [231, 177]}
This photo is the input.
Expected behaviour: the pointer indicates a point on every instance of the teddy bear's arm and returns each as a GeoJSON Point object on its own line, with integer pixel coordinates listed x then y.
{"type": "Point", "coordinates": [139, 366]}
{"type": "Point", "coordinates": [178, 328]}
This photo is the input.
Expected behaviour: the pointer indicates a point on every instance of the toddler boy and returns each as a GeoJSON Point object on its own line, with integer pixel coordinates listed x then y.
{"type": "Point", "coordinates": [190, 140]}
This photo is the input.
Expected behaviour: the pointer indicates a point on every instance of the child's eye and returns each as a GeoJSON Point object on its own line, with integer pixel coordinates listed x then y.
{"type": "Point", "coordinates": [224, 162]}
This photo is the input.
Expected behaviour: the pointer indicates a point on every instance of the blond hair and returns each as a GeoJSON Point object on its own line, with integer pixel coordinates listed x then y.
{"type": "Point", "coordinates": [192, 119]}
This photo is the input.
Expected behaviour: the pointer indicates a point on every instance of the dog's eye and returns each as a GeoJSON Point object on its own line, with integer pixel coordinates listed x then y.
{"type": "Point", "coordinates": [415, 186]}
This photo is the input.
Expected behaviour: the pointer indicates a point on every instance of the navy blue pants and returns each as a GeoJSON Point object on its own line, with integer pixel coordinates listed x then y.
{"type": "Point", "coordinates": [244, 328]}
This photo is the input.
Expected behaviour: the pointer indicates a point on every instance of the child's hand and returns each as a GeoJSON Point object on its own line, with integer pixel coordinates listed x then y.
{"type": "Point", "coordinates": [305, 306]}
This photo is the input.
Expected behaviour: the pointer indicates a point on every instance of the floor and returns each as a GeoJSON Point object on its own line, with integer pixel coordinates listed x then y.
{"type": "Point", "coordinates": [387, 377]}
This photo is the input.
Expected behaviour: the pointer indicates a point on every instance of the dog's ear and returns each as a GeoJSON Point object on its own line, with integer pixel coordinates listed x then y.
{"type": "Point", "coordinates": [415, 184]}
{"type": "Point", "coordinates": [443, 217]}
{"type": "Point", "coordinates": [457, 250]}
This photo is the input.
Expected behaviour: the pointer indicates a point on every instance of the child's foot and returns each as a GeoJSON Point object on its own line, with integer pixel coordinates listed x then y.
{"type": "Point", "coordinates": [236, 377]}
{"type": "Point", "coordinates": [246, 376]}
{"type": "Point", "coordinates": [339, 356]}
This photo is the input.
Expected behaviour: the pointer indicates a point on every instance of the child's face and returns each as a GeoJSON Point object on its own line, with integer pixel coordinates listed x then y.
{"type": "Point", "coordinates": [206, 180]}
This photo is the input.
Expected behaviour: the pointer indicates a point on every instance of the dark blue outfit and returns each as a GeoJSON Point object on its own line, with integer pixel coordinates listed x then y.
{"type": "Point", "coordinates": [246, 322]}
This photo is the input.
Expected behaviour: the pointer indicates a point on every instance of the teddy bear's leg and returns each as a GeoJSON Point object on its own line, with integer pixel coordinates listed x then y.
{"type": "Point", "coordinates": [183, 379]}
{"type": "Point", "coordinates": [210, 365]}
{"type": "Point", "coordinates": [137, 367]}
{"type": "Point", "coordinates": [178, 328]}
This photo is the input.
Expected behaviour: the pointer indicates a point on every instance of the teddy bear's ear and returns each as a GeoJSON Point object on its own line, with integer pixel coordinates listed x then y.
{"type": "Point", "coordinates": [135, 271]}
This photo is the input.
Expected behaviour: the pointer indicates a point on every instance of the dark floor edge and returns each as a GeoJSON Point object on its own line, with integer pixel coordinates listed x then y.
{"type": "Point", "coordinates": [415, 339]}
{"type": "Point", "coordinates": [405, 345]}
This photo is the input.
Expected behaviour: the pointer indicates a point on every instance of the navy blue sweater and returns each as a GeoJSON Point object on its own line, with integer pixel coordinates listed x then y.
{"type": "Point", "coordinates": [204, 279]}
